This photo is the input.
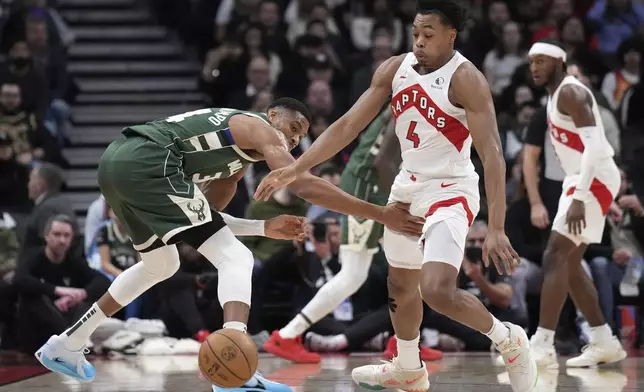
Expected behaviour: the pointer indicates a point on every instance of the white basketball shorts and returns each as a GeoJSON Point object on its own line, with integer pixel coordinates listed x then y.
{"type": "Point", "coordinates": [596, 202]}
{"type": "Point", "coordinates": [449, 206]}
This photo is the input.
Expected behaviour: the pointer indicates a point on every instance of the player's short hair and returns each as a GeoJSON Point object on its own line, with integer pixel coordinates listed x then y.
{"type": "Point", "coordinates": [292, 104]}
{"type": "Point", "coordinates": [451, 12]}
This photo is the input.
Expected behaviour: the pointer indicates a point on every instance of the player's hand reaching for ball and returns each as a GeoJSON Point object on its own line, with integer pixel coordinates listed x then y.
{"type": "Point", "coordinates": [497, 248]}
{"type": "Point", "coordinates": [286, 227]}
{"type": "Point", "coordinates": [275, 180]}
{"type": "Point", "coordinates": [397, 218]}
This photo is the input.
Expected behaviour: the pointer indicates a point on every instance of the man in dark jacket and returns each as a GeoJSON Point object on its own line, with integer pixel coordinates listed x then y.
{"type": "Point", "coordinates": [55, 286]}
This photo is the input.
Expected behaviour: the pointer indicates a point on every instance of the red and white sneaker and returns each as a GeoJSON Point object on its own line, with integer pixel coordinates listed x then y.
{"type": "Point", "coordinates": [291, 349]}
{"type": "Point", "coordinates": [426, 353]}
{"type": "Point", "coordinates": [390, 375]}
{"type": "Point", "coordinates": [522, 368]}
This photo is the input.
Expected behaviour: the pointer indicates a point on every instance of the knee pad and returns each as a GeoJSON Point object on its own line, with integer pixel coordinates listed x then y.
{"type": "Point", "coordinates": [155, 266]}
{"type": "Point", "coordinates": [234, 262]}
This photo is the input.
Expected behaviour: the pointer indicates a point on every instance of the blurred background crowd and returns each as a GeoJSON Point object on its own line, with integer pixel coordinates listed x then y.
{"type": "Point", "coordinates": [56, 258]}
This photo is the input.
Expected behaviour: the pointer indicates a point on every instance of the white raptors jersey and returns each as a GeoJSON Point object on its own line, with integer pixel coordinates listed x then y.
{"type": "Point", "coordinates": [565, 136]}
{"type": "Point", "coordinates": [434, 138]}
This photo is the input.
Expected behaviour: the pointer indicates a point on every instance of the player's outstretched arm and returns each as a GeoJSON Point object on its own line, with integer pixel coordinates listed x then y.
{"type": "Point", "coordinates": [340, 133]}
{"type": "Point", "coordinates": [282, 227]}
{"type": "Point", "coordinates": [471, 91]}
{"type": "Point", "coordinates": [252, 133]}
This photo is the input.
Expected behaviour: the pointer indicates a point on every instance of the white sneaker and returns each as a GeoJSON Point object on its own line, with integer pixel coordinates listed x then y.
{"type": "Point", "coordinates": [597, 353]}
{"type": "Point", "coordinates": [391, 375]}
{"type": "Point", "coordinates": [522, 369]}
{"type": "Point", "coordinates": [55, 357]}
{"type": "Point", "coordinates": [544, 356]}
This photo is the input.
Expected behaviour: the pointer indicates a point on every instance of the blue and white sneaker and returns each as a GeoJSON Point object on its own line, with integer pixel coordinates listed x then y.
{"type": "Point", "coordinates": [256, 384]}
{"type": "Point", "coordinates": [55, 357]}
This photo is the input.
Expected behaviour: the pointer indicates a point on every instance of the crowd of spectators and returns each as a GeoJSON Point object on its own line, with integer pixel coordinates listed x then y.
{"type": "Point", "coordinates": [324, 53]}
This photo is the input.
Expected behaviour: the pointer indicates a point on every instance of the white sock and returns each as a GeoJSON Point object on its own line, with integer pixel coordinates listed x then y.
{"type": "Point", "coordinates": [409, 353]}
{"type": "Point", "coordinates": [238, 325]}
{"type": "Point", "coordinates": [76, 337]}
{"type": "Point", "coordinates": [295, 328]}
{"type": "Point", "coordinates": [498, 333]}
{"type": "Point", "coordinates": [601, 334]}
{"type": "Point", "coordinates": [544, 337]}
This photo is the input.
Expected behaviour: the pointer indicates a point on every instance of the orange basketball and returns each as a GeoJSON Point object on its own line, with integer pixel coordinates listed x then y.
{"type": "Point", "coordinates": [228, 358]}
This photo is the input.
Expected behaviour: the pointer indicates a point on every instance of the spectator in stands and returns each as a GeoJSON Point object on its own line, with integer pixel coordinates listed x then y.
{"type": "Point", "coordinates": [255, 46]}
{"type": "Point", "coordinates": [580, 47]}
{"type": "Point", "coordinates": [55, 285]}
{"type": "Point", "coordinates": [486, 33]}
{"type": "Point", "coordinates": [234, 13]}
{"type": "Point", "coordinates": [115, 248]}
{"type": "Point", "coordinates": [500, 63]}
{"type": "Point", "coordinates": [8, 297]}
{"type": "Point", "coordinates": [12, 24]}
{"type": "Point", "coordinates": [53, 59]}
{"type": "Point", "coordinates": [319, 99]}
{"type": "Point", "coordinates": [299, 13]}
{"type": "Point", "coordinates": [270, 18]}
{"type": "Point", "coordinates": [20, 68]}
{"type": "Point", "coordinates": [262, 100]}
{"type": "Point", "coordinates": [381, 50]}
{"type": "Point", "coordinates": [45, 183]}
{"type": "Point", "coordinates": [609, 272]}
{"type": "Point", "coordinates": [13, 176]}
{"type": "Point", "coordinates": [189, 305]}
{"type": "Point", "coordinates": [559, 10]}
{"type": "Point", "coordinates": [258, 77]}
{"type": "Point", "coordinates": [224, 71]}
{"type": "Point", "coordinates": [617, 82]}
{"type": "Point", "coordinates": [376, 13]}
{"type": "Point", "coordinates": [22, 126]}
{"type": "Point", "coordinates": [615, 21]}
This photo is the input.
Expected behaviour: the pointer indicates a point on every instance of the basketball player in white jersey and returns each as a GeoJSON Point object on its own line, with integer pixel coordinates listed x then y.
{"type": "Point", "coordinates": [591, 183]}
{"type": "Point", "coordinates": [442, 104]}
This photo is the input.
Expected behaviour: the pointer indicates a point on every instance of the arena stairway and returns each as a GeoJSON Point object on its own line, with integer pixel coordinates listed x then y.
{"type": "Point", "coordinates": [129, 70]}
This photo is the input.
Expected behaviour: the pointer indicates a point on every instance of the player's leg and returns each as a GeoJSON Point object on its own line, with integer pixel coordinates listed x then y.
{"type": "Point", "coordinates": [443, 255]}
{"type": "Point", "coordinates": [359, 243]}
{"type": "Point", "coordinates": [406, 372]}
{"type": "Point", "coordinates": [603, 347]}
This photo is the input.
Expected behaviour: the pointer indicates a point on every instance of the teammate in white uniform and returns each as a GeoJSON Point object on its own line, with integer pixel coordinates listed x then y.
{"type": "Point", "coordinates": [442, 104]}
{"type": "Point", "coordinates": [591, 183]}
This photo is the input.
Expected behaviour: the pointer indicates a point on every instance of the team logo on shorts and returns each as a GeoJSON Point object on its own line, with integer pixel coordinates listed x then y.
{"type": "Point", "coordinates": [198, 208]}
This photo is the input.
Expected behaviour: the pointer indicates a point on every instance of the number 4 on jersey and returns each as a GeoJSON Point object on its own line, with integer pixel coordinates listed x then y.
{"type": "Point", "coordinates": [412, 136]}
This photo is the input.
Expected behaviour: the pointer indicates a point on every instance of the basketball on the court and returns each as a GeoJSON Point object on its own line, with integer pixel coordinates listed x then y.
{"type": "Point", "coordinates": [228, 358]}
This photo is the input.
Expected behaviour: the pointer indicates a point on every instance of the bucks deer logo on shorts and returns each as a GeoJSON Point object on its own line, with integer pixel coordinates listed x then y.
{"type": "Point", "coordinates": [198, 208]}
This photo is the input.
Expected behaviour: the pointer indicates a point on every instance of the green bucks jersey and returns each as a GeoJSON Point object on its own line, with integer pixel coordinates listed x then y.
{"type": "Point", "coordinates": [362, 160]}
{"type": "Point", "coordinates": [203, 140]}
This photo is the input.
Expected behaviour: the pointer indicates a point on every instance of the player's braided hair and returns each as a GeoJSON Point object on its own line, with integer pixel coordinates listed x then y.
{"type": "Point", "coordinates": [292, 104]}
{"type": "Point", "coordinates": [451, 12]}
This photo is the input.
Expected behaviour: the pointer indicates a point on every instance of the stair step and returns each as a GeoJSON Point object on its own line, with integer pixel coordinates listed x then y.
{"type": "Point", "coordinates": [182, 84]}
{"type": "Point", "coordinates": [81, 178]}
{"type": "Point", "coordinates": [81, 201]}
{"type": "Point", "coordinates": [140, 98]}
{"type": "Point", "coordinates": [106, 17]}
{"type": "Point", "coordinates": [129, 50]}
{"type": "Point", "coordinates": [124, 115]}
{"type": "Point", "coordinates": [94, 4]}
{"type": "Point", "coordinates": [119, 68]}
{"type": "Point", "coordinates": [94, 135]}
{"type": "Point", "coordinates": [120, 33]}
{"type": "Point", "coordinates": [83, 156]}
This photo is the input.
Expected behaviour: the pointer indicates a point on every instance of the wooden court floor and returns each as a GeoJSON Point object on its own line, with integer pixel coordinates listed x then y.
{"type": "Point", "coordinates": [455, 373]}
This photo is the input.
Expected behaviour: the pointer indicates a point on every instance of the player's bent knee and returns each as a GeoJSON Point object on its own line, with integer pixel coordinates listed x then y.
{"type": "Point", "coordinates": [437, 288]}
{"type": "Point", "coordinates": [161, 263]}
{"type": "Point", "coordinates": [403, 282]}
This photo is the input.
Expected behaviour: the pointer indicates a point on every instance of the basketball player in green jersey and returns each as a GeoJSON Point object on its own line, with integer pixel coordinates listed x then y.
{"type": "Point", "coordinates": [150, 178]}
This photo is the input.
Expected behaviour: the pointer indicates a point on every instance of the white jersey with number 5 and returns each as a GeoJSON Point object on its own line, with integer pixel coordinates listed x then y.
{"type": "Point", "coordinates": [569, 148]}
